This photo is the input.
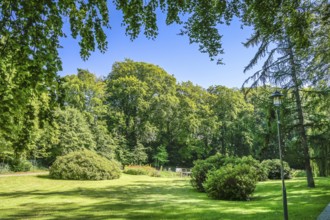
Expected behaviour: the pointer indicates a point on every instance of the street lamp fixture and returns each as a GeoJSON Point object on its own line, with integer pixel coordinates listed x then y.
{"type": "Point", "coordinates": [277, 103]}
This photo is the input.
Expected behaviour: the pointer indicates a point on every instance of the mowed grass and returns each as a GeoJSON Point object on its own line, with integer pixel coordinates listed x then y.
{"type": "Point", "coordinates": [143, 197]}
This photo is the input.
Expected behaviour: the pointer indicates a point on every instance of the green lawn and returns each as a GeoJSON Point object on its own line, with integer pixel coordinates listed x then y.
{"type": "Point", "coordinates": [143, 197]}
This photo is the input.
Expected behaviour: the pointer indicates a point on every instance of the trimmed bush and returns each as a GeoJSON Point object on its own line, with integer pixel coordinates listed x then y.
{"type": "Point", "coordinates": [274, 169]}
{"type": "Point", "coordinates": [84, 165]}
{"type": "Point", "coordinates": [141, 170]}
{"type": "Point", "coordinates": [231, 182]}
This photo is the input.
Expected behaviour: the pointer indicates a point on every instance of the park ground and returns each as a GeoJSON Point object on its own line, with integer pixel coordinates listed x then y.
{"type": "Point", "coordinates": [144, 197]}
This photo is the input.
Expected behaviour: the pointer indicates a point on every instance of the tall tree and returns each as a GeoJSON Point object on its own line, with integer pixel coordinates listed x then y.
{"type": "Point", "coordinates": [29, 43]}
{"type": "Point", "coordinates": [136, 92]}
{"type": "Point", "coordinates": [231, 111]}
{"type": "Point", "coordinates": [86, 93]}
{"type": "Point", "coordinates": [72, 132]}
{"type": "Point", "coordinates": [287, 62]}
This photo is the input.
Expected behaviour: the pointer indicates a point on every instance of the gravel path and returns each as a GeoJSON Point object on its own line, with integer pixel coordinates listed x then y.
{"type": "Point", "coordinates": [325, 215]}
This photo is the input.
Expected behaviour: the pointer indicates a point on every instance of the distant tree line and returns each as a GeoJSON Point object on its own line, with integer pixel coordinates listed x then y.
{"type": "Point", "coordinates": [140, 114]}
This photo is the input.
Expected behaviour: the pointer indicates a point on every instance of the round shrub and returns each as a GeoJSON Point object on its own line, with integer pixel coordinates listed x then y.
{"type": "Point", "coordinates": [231, 182]}
{"type": "Point", "coordinates": [84, 165]}
{"type": "Point", "coordinates": [202, 167]}
{"type": "Point", "coordinates": [274, 169]}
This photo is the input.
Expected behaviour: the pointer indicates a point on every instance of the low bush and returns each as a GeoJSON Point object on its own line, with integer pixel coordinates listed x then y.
{"type": "Point", "coordinates": [231, 182]}
{"type": "Point", "coordinates": [261, 171]}
{"type": "Point", "coordinates": [141, 170]}
{"type": "Point", "coordinates": [274, 169]}
{"type": "Point", "coordinates": [202, 167]}
{"type": "Point", "coordinates": [20, 165]}
{"type": "Point", "coordinates": [298, 173]}
{"type": "Point", "coordinates": [4, 168]}
{"type": "Point", "coordinates": [84, 165]}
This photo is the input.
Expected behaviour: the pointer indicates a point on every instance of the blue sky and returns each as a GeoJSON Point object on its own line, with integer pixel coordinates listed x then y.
{"type": "Point", "coordinates": [169, 51]}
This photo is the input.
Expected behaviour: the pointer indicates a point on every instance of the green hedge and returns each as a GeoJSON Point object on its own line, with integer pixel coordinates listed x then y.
{"type": "Point", "coordinates": [84, 165]}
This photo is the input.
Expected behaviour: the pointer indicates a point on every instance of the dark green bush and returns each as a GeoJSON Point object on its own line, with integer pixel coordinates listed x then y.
{"type": "Point", "coordinates": [261, 171]}
{"type": "Point", "coordinates": [84, 165]}
{"type": "Point", "coordinates": [20, 165]}
{"type": "Point", "coordinates": [231, 182]}
{"type": "Point", "coordinates": [202, 167]}
{"type": "Point", "coordinates": [274, 169]}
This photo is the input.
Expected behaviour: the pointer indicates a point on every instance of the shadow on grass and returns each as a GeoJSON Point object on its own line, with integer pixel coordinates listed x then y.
{"type": "Point", "coordinates": [146, 200]}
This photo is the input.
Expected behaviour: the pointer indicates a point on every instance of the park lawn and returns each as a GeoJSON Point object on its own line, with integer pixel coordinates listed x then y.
{"type": "Point", "coordinates": [144, 197]}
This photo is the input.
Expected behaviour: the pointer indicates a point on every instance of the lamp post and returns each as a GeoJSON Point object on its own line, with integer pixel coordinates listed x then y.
{"type": "Point", "coordinates": [277, 102]}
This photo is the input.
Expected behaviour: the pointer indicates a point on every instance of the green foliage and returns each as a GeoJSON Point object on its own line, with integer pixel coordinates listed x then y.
{"type": "Point", "coordinates": [202, 167]}
{"type": "Point", "coordinates": [274, 169]}
{"type": "Point", "coordinates": [145, 108]}
{"type": "Point", "coordinates": [84, 165]}
{"type": "Point", "coordinates": [231, 182]}
{"type": "Point", "coordinates": [261, 171]}
{"type": "Point", "coordinates": [298, 173]}
{"type": "Point", "coordinates": [234, 116]}
{"type": "Point", "coordinates": [141, 170]}
{"type": "Point", "coordinates": [140, 96]}
{"type": "Point", "coordinates": [161, 156]}
{"type": "Point", "coordinates": [20, 165]}
{"type": "Point", "coordinates": [73, 132]}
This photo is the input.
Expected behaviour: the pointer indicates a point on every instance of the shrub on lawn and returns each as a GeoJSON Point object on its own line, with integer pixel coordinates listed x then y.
{"type": "Point", "coordinates": [20, 165]}
{"type": "Point", "coordinates": [231, 182]}
{"type": "Point", "coordinates": [298, 173]}
{"type": "Point", "coordinates": [274, 169]}
{"type": "Point", "coordinates": [84, 165]}
{"type": "Point", "coordinates": [202, 167]}
{"type": "Point", "coordinates": [261, 171]}
{"type": "Point", "coordinates": [141, 170]}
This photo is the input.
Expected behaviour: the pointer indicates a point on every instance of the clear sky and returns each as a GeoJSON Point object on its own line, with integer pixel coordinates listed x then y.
{"type": "Point", "coordinates": [169, 51]}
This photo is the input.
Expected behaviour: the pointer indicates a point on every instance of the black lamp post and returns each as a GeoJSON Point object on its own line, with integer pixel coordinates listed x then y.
{"type": "Point", "coordinates": [277, 102]}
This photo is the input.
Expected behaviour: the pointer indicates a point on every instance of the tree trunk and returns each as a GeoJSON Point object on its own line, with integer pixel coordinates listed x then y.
{"type": "Point", "coordinates": [301, 127]}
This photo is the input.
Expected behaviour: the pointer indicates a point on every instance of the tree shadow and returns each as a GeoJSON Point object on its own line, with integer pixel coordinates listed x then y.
{"type": "Point", "coordinates": [145, 200]}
